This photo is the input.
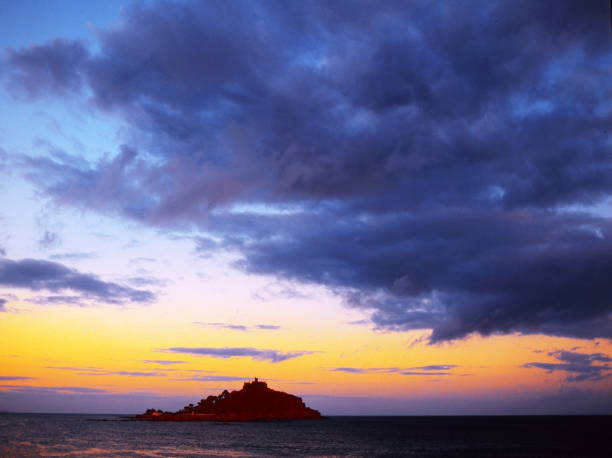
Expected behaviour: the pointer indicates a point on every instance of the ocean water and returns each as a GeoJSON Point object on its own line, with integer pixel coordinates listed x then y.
{"type": "Point", "coordinates": [112, 435]}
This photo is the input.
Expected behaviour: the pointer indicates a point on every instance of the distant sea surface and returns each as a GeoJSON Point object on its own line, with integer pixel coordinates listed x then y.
{"type": "Point", "coordinates": [112, 435]}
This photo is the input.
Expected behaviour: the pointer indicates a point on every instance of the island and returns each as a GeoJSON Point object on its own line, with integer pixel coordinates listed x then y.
{"type": "Point", "coordinates": [255, 401]}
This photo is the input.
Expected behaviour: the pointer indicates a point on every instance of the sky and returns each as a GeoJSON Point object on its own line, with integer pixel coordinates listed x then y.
{"type": "Point", "coordinates": [383, 207]}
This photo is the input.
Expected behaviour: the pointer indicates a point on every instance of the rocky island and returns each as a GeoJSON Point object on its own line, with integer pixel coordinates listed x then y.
{"type": "Point", "coordinates": [255, 401]}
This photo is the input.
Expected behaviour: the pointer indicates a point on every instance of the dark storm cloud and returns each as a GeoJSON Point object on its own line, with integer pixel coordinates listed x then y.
{"type": "Point", "coordinates": [434, 157]}
{"type": "Point", "coordinates": [273, 356]}
{"type": "Point", "coordinates": [454, 270]}
{"type": "Point", "coordinates": [37, 275]}
{"type": "Point", "coordinates": [579, 366]}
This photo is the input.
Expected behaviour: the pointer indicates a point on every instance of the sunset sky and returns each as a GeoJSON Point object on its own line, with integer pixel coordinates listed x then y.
{"type": "Point", "coordinates": [382, 207]}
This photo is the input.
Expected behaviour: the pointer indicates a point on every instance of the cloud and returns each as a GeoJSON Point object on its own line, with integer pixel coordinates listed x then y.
{"type": "Point", "coordinates": [454, 270]}
{"type": "Point", "coordinates": [437, 369]}
{"type": "Point", "coordinates": [76, 256]}
{"type": "Point", "coordinates": [141, 259]}
{"type": "Point", "coordinates": [47, 68]}
{"type": "Point", "coordinates": [28, 389]}
{"type": "Point", "coordinates": [424, 373]}
{"type": "Point", "coordinates": [361, 370]}
{"type": "Point", "coordinates": [580, 367]}
{"type": "Point", "coordinates": [3, 304]}
{"type": "Point", "coordinates": [240, 327]}
{"type": "Point", "coordinates": [95, 371]}
{"type": "Point", "coordinates": [133, 373]}
{"type": "Point", "coordinates": [163, 362]}
{"type": "Point", "coordinates": [273, 356]}
{"type": "Point", "coordinates": [49, 240]}
{"type": "Point", "coordinates": [436, 161]}
{"type": "Point", "coordinates": [278, 290]}
{"type": "Point", "coordinates": [37, 275]}
{"type": "Point", "coordinates": [213, 378]}
{"type": "Point", "coordinates": [4, 378]}
{"type": "Point", "coordinates": [58, 300]}
{"type": "Point", "coordinates": [145, 281]}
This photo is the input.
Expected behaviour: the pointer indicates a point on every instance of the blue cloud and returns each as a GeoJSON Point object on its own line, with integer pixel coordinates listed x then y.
{"type": "Point", "coordinates": [580, 367]}
{"type": "Point", "coordinates": [37, 275]}
{"type": "Point", "coordinates": [432, 164]}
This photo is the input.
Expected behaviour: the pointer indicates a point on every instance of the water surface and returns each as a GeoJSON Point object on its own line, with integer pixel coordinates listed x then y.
{"type": "Point", "coordinates": [111, 435]}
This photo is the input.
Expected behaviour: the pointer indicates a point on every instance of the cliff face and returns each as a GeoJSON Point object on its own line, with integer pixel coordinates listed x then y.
{"type": "Point", "coordinates": [255, 401]}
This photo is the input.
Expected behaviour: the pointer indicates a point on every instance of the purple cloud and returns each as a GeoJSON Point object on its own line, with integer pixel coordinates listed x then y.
{"type": "Point", "coordinates": [436, 369]}
{"type": "Point", "coordinates": [37, 275]}
{"type": "Point", "coordinates": [239, 327]}
{"type": "Point", "coordinates": [580, 367]}
{"type": "Point", "coordinates": [54, 67]}
{"type": "Point", "coordinates": [273, 356]}
{"type": "Point", "coordinates": [5, 378]}
{"type": "Point", "coordinates": [163, 362]}
{"type": "Point", "coordinates": [433, 168]}
{"type": "Point", "coordinates": [213, 378]}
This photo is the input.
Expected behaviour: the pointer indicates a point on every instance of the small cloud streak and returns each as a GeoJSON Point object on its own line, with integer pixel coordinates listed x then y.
{"type": "Point", "coordinates": [424, 373]}
{"type": "Point", "coordinates": [77, 256]}
{"type": "Point", "coordinates": [239, 327]}
{"type": "Point", "coordinates": [365, 370]}
{"type": "Point", "coordinates": [163, 362]}
{"type": "Point", "coordinates": [27, 389]}
{"type": "Point", "coordinates": [212, 378]}
{"type": "Point", "coordinates": [5, 378]}
{"type": "Point", "coordinates": [580, 367]}
{"type": "Point", "coordinates": [273, 356]}
{"type": "Point", "coordinates": [434, 369]}
{"type": "Point", "coordinates": [88, 371]}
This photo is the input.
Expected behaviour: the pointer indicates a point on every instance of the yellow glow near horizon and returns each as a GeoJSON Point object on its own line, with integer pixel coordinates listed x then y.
{"type": "Point", "coordinates": [101, 343]}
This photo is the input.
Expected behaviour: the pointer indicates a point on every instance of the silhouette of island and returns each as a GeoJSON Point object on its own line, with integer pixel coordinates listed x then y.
{"type": "Point", "coordinates": [255, 401]}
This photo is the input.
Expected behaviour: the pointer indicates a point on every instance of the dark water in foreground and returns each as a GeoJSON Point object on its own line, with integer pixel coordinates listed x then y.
{"type": "Point", "coordinates": [86, 435]}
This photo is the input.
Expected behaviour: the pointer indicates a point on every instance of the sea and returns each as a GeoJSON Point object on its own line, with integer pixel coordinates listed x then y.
{"type": "Point", "coordinates": [424, 436]}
